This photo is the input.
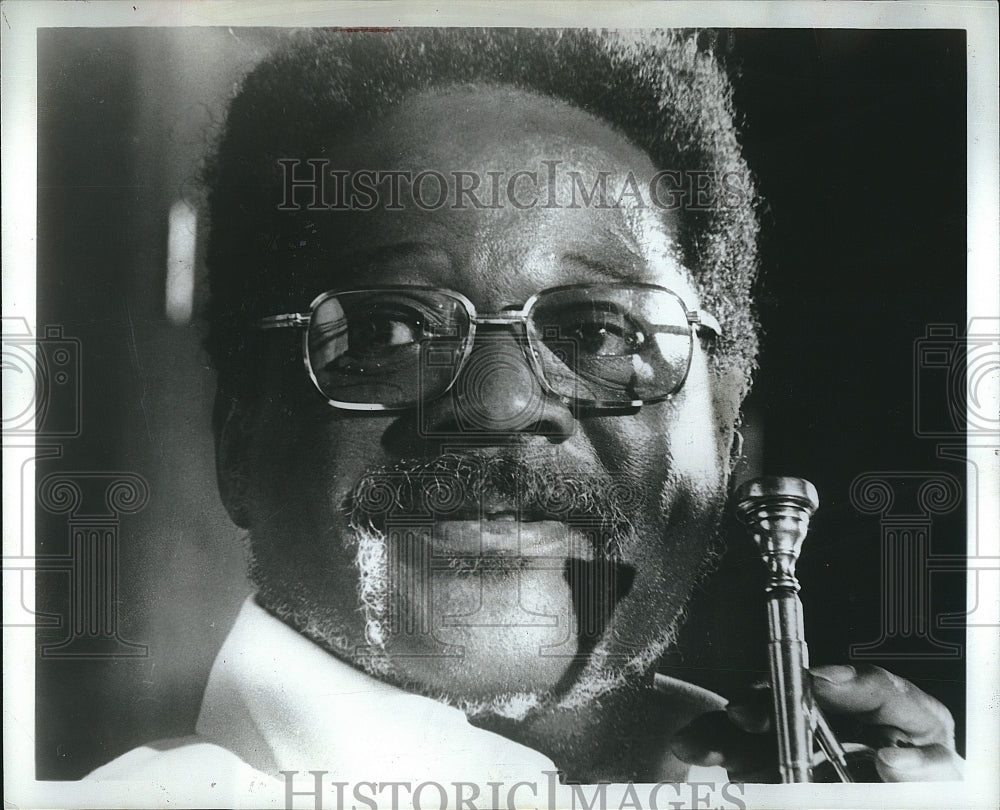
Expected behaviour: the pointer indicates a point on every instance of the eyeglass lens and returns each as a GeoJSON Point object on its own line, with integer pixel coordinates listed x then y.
{"type": "Point", "coordinates": [611, 345]}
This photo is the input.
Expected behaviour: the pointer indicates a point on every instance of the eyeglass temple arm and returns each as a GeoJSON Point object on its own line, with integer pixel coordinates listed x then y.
{"type": "Point", "coordinates": [702, 320]}
{"type": "Point", "coordinates": [292, 320]}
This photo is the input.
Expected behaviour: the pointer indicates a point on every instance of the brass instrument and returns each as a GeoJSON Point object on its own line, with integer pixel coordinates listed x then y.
{"type": "Point", "coordinates": [777, 512]}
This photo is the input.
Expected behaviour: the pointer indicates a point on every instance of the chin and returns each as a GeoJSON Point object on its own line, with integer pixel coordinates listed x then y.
{"type": "Point", "coordinates": [478, 633]}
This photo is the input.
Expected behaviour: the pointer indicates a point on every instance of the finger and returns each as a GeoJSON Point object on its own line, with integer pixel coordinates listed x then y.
{"type": "Point", "coordinates": [929, 763]}
{"type": "Point", "coordinates": [884, 699]}
{"type": "Point", "coordinates": [876, 737]}
{"type": "Point", "coordinates": [711, 739]}
{"type": "Point", "coordinates": [752, 711]}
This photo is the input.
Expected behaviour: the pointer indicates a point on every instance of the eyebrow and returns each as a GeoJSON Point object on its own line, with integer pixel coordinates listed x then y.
{"type": "Point", "coordinates": [602, 267]}
{"type": "Point", "coordinates": [620, 272]}
{"type": "Point", "coordinates": [399, 251]}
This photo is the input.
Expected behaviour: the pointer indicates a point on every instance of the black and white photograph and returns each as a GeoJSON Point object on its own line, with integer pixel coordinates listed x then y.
{"type": "Point", "coordinates": [538, 405]}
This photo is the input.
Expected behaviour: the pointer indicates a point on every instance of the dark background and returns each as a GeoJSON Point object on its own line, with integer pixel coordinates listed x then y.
{"type": "Point", "coordinates": [858, 142]}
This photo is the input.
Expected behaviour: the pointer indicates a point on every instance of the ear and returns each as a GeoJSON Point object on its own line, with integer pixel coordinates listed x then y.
{"type": "Point", "coordinates": [233, 468]}
{"type": "Point", "coordinates": [729, 388]}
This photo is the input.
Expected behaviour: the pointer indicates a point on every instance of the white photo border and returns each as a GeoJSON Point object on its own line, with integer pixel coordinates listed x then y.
{"type": "Point", "coordinates": [20, 22]}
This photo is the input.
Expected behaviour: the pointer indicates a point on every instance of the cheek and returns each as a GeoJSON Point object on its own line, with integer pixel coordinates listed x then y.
{"type": "Point", "coordinates": [678, 438]}
{"type": "Point", "coordinates": [699, 444]}
{"type": "Point", "coordinates": [675, 455]}
{"type": "Point", "coordinates": [312, 458]}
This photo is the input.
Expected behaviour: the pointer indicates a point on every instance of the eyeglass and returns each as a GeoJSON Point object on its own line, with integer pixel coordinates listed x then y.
{"type": "Point", "coordinates": [608, 345]}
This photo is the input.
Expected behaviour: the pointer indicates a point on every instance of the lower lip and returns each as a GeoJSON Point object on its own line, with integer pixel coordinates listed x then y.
{"type": "Point", "coordinates": [509, 538]}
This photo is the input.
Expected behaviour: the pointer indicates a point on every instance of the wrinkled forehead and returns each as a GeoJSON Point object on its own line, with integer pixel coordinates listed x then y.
{"type": "Point", "coordinates": [556, 196]}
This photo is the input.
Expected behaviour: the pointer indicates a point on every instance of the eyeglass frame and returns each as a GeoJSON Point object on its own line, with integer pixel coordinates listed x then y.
{"type": "Point", "coordinates": [699, 320]}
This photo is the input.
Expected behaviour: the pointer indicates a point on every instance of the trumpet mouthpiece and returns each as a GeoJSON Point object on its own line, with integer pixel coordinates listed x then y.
{"type": "Point", "coordinates": [777, 510]}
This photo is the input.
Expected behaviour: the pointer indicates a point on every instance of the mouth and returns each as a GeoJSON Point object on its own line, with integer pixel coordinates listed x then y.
{"type": "Point", "coordinates": [506, 534]}
{"type": "Point", "coordinates": [493, 549]}
{"type": "Point", "coordinates": [503, 542]}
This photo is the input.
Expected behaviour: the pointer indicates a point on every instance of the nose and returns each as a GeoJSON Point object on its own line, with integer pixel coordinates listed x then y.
{"type": "Point", "coordinates": [498, 395]}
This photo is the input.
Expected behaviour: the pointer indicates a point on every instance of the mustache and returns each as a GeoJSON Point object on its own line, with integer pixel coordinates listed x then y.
{"type": "Point", "coordinates": [461, 486]}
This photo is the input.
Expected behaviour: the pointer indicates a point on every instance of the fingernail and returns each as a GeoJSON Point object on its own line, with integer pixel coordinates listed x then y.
{"type": "Point", "coordinates": [748, 719]}
{"type": "Point", "coordinates": [738, 713]}
{"type": "Point", "coordinates": [835, 673]}
{"type": "Point", "coordinates": [890, 736]}
{"type": "Point", "coordinates": [901, 759]}
{"type": "Point", "coordinates": [713, 758]}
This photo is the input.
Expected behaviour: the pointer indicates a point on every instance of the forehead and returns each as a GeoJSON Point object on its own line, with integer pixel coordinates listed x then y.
{"type": "Point", "coordinates": [498, 122]}
{"type": "Point", "coordinates": [515, 147]}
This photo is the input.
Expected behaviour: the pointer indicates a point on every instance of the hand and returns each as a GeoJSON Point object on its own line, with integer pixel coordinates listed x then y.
{"type": "Point", "coordinates": [914, 734]}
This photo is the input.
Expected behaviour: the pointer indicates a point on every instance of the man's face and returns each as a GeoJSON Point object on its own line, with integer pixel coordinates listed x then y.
{"type": "Point", "coordinates": [503, 599]}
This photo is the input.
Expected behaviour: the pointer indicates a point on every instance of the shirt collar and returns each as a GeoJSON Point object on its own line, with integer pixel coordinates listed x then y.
{"type": "Point", "coordinates": [281, 702]}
